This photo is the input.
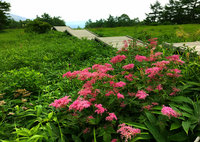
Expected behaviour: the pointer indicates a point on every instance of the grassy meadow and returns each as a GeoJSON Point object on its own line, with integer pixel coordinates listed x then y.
{"type": "Point", "coordinates": [31, 78]}
{"type": "Point", "coordinates": [164, 33]}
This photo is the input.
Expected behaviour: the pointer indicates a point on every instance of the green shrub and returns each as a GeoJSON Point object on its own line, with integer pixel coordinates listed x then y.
{"type": "Point", "coordinates": [37, 26]}
{"type": "Point", "coordinates": [24, 78]}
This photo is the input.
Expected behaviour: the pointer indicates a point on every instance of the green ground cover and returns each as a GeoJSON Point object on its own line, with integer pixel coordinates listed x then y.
{"type": "Point", "coordinates": [164, 33]}
{"type": "Point", "coordinates": [31, 78]}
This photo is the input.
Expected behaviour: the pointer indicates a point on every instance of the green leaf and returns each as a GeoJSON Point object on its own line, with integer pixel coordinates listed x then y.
{"type": "Point", "coordinates": [151, 117]}
{"type": "Point", "coordinates": [50, 115]}
{"type": "Point", "coordinates": [35, 138]}
{"type": "Point", "coordinates": [175, 125]}
{"type": "Point", "coordinates": [181, 99]}
{"type": "Point", "coordinates": [186, 126]}
{"type": "Point", "coordinates": [39, 110]}
{"type": "Point", "coordinates": [107, 137]}
{"type": "Point", "coordinates": [137, 125]}
{"type": "Point", "coordinates": [181, 136]}
{"type": "Point", "coordinates": [76, 138]}
{"type": "Point", "coordinates": [94, 135]}
{"type": "Point", "coordinates": [155, 132]}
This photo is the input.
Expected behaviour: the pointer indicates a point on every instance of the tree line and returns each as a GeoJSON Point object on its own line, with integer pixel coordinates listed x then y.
{"type": "Point", "coordinates": [174, 12]}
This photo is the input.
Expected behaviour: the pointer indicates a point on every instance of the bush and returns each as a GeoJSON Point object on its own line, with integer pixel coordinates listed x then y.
{"type": "Point", "coordinates": [37, 27]}
{"type": "Point", "coordinates": [24, 78]}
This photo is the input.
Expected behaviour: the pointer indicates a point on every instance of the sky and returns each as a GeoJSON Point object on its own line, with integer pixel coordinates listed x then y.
{"type": "Point", "coordinates": [74, 11]}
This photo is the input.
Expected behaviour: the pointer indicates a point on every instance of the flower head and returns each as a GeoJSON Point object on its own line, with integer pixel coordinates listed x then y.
{"type": "Point", "coordinates": [141, 94]}
{"type": "Point", "coordinates": [80, 104]}
{"type": "Point", "coordinates": [168, 111]}
{"type": "Point", "coordinates": [61, 103]}
{"type": "Point", "coordinates": [100, 109]}
{"type": "Point", "coordinates": [117, 59]}
{"type": "Point", "coordinates": [111, 117]}
{"type": "Point", "coordinates": [127, 132]}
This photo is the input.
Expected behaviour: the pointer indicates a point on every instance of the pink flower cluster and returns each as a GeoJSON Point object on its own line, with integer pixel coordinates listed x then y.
{"type": "Point", "coordinates": [128, 67]}
{"type": "Point", "coordinates": [120, 84]}
{"type": "Point", "coordinates": [127, 132]}
{"type": "Point", "coordinates": [175, 59]}
{"type": "Point", "coordinates": [153, 42]}
{"type": "Point", "coordinates": [149, 107]}
{"type": "Point", "coordinates": [111, 117]}
{"type": "Point", "coordinates": [61, 103]}
{"type": "Point", "coordinates": [100, 109]}
{"type": "Point", "coordinates": [168, 111]}
{"type": "Point", "coordinates": [140, 58]}
{"type": "Point", "coordinates": [80, 104]}
{"type": "Point", "coordinates": [141, 94]}
{"type": "Point", "coordinates": [174, 73]}
{"type": "Point", "coordinates": [175, 90]}
{"type": "Point", "coordinates": [118, 59]}
{"type": "Point", "coordinates": [102, 68]}
{"type": "Point", "coordinates": [129, 77]}
{"type": "Point", "coordinates": [152, 71]}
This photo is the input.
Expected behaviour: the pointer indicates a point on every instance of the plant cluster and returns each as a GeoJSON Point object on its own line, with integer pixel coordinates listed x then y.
{"type": "Point", "coordinates": [37, 27]}
{"type": "Point", "coordinates": [132, 90]}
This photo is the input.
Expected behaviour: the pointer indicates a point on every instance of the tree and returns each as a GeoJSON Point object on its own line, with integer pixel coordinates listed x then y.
{"type": "Point", "coordinates": [54, 21]}
{"type": "Point", "coordinates": [4, 8]}
{"type": "Point", "coordinates": [155, 15]}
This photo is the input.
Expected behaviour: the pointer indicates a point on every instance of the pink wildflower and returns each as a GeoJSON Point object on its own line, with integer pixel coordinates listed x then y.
{"type": "Point", "coordinates": [148, 107]}
{"type": "Point", "coordinates": [122, 104]}
{"type": "Point", "coordinates": [109, 93]}
{"type": "Point", "coordinates": [131, 94]}
{"type": "Point", "coordinates": [80, 105]}
{"type": "Point", "coordinates": [84, 92]}
{"type": "Point", "coordinates": [173, 57]}
{"type": "Point", "coordinates": [161, 64]}
{"type": "Point", "coordinates": [141, 94]}
{"type": "Point", "coordinates": [174, 73]}
{"type": "Point", "coordinates": [152, 71]}
{"type": "Point", "coordinates": [117, 59]}
{"type": "Point", "coordinates": [120, 96]}
{"type": "Point", "coordinates": [102, 68]}
{"type": "Point", "coordinates": [125, 44]}
{"type": "Point", "coordinates": [168, 111]}
{"type": "Point", "coordinates": [128, 67]}
{"type": "Point", "coordinates": [120, 84]}
{"type": "Point", "coordinates": [111, 117]}
{"type": "Point", "coordinates": [90, 117]}
{"type": "Point", "coordinates": [100, 109]}
{"type": "Point", "coordinates": [127, 132]}
{"type": "Point", "coordinates": [140, 58]}
{"type": "Point", "coordinates": [114, 140]}
{"type": "Point", "coordinates": [86, 130]}
{"type": "Point", "coordinates": [71, 74]}
{"type": "Point", "coordinates": [149, 88]}
{"type": "Point", "coordinates": [129, 77]}
{"type": "Point", "coordinates": [154, 103]}
{"type": "Point", "coordinates": [61, 103]}
{"type": "Point", "coordinates": [159, 87]}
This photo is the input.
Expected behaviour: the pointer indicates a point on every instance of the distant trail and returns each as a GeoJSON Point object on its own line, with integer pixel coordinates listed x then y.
{"type": "Point", "coordinates": [117, 41]}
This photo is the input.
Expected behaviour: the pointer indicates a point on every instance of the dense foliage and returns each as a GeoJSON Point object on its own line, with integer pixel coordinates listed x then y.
{"type": "Point", "coordinates": [123, 20]}
{"type": "Point", "coordinates": [53, 21]}
{"type": "Point", "coordinates": [37, 26]}
{"type": "Point", "coordinates": [142, 93]}
{"type": "Point", "coordinates": [175, 12]}
{"type": "Point", "coordinates": [4, 8]}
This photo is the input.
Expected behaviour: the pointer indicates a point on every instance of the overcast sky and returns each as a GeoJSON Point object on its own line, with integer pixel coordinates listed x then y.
{"type": "Point", "coordinates": [81, 10]}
